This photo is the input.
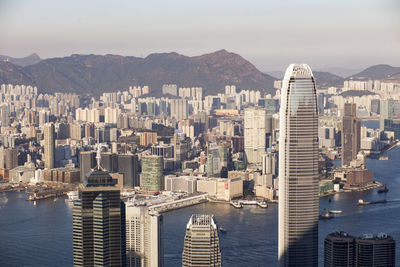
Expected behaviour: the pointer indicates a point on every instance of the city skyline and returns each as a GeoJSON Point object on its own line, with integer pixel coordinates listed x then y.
{"type": "Point", "coordinates": [350, 37]}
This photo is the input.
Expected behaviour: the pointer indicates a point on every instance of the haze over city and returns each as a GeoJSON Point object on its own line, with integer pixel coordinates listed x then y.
{"type": "Point", "coordinates": [271, 34]}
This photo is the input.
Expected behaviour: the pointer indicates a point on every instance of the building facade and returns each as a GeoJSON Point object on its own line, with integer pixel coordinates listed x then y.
{"type": "Point", "coordinates": [99, 223]}
{"type": "Point", "coordinates": [298, 169]}
{"type": "Point", "coordinates": [144, 241]}
{"type": "Point", "coordinates": [152, 173]}
{"type": "Point", "coordinates": [351, 134]}
{"type": "Point", "coordinates": [201, 247]}
{"type": "Point", "coordinates": [49, 143]}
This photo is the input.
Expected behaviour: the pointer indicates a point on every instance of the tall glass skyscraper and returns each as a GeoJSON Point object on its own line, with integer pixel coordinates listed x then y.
{"type": "Point", "coordinates": [298, 169]}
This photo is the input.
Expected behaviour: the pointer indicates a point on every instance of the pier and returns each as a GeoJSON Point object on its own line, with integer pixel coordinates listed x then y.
{"type": "Point", "coordinates": [177, 204]}
{"type": "Point", "coordinates": [240, 203]}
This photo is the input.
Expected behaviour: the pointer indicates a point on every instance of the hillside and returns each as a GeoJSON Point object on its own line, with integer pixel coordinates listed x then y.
{"type": "Point", "coordinates": [376, 72]}
{"type": "Point", "coordinates": [23, 62]}
{"type": "Point", "coordinates": [95, 74]}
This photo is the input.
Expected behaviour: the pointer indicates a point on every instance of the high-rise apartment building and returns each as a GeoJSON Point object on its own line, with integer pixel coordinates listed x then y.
{"type": "Point", "coordinates": [152, 173]}
{"type": "Point", "coordinates": [144, 237]}
{"type": "Point", "coordinates": [49, 143]}
{"type": "Point", "coordinates": [201, 247]}
{"type": "Point", "coordinates": [298, 169]}
{"type": "Point", "coordinates": [99, 222]}
{"type": "Point", "coordinates": [254, 134]}
{"type": "Point", "coordinates": [351, 134]}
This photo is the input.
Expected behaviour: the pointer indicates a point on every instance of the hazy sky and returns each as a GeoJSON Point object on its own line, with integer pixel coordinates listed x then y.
{"type": "Point", "coordinates": [271, 34]}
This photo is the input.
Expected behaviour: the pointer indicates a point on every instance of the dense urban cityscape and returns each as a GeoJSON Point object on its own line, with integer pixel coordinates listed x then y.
{"type": "Point", "coordinates": [182, 149]}
{"type": "Point", "coordinates": [200, 133]}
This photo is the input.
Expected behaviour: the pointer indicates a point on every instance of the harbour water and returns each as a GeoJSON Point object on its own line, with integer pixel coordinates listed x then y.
{"type": "Point", "coordinates": [41, 234]}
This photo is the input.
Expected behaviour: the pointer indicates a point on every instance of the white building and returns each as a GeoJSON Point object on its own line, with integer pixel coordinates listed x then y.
{"type": "Point", "coordinates": [144, 241]}
{"type": "Point", "coordinates": [254, 134]}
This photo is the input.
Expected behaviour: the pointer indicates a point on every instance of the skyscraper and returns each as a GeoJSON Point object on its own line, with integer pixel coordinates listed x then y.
{"type": "Point", "coordinates": [351, 134]}
{"type": "Point", "coordinates": [128, 165]}
{"type": "Point", "coordinates": [201, 247]}
{"type": "Point", "coordinates": [87, 161]}
{"type": "Point", "coordinates": [344, 250]}
{"type": "Point", "coordinates": [99, 222]}
{"type": "Point", "coordinates": [254, 134]}
{"type": "Point", "coordinates": [386, 112]}
{"type": "Point", "coordinates": [49, 144]}
{"type": "Point", "coordinates": [152, 173]}
{"type": "Point", "coordinates": [339, 250]}
{"type": "Point", "coordinates": [298, 169]}
{"type": "Point", "coordinates": [144, 240]}
{"type": "Point", "coordinates": [375, 251]}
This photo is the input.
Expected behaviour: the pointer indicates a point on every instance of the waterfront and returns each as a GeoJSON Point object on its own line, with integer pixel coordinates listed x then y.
{"type": "Point", "coordinates": [41, 235]}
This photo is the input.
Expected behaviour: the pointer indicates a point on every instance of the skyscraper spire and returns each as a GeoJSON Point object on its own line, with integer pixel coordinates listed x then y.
{"type": "Point", "coordinates": [98, 156]}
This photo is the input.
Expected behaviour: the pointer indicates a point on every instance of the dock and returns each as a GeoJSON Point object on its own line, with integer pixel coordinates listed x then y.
{"type": "Point", "coordinates": [177, 204]}
{"type": "Point", "coordinates": [240, 203]}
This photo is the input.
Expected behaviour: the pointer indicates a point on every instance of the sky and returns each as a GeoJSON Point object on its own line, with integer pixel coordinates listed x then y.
{"type": "Point", "coordinates": [271, 34]}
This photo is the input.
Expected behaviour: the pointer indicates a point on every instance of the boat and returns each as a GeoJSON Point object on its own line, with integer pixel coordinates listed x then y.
{"type": "Point", "coordinates": [222, 230]}
{"type": "Point", "coordinates": [262, 204]}
{"type": "Point", "coordinates": [72, 196]}
{"type": "Point", "coordinates": [325, 216]}
{"type": "Point", "coordinates": [335, 211]}
{"type": "Point", "coordinates": [383, 190]}
{"type": "Point", "coordinates": [362, 202]}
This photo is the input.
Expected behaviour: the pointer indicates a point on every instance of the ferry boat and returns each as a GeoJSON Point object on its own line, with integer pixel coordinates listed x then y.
{"type": "Point", "coordinates": [362, 202]}
{"type": "Point", "coordinates": [335, 211]}
{"type": "Point", "coordinates": [72, 196]}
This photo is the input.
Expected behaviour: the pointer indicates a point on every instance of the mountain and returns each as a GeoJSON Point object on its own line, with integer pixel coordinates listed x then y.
{"type": "Point", "coordinates": [376, 72]}
{"type": "Point", "coordinates": [322, 79]}
{"type": "Point", "coordinates": [327, 79]}
{"type": "Point", "coordinates": [23, 62]}
{"type": "Point", "coordinates": [342, 72]}
{"type": "Point", "coordinates": [95, 74]}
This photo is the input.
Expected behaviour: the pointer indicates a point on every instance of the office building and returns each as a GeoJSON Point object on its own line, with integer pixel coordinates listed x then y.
{"type": "Point", "coordinates": [375, 251]}
{"type": "Point", "coordinates": [87, 161]}
{"type": "Point", "coordinates": [351, 134]}
{"type": "Point", "coordinates": [109, 161]}
{"type": "Point", "coordinates": [386, 112]}
{"type": "Point", "coordinates": [49, 143]}
{"type": "Point", "coordinates": [128, 166]}
{"type": "Point", "coordinates": [201, 247]}
{"type": "Point", "coordinates": [344, 250]}
{"type": "Point", "coordinates": [298, 169]}
{"type": "Point", "coordinates": [144, 237]}
{"type": "Point", "coordinates": [99, 222]}
{"type": "Point", "coordinates": [339, 250]}
{"type": "Point", "coordinates": [254, 134]}
{"type": "Point", "coordinates": [152, 173]}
